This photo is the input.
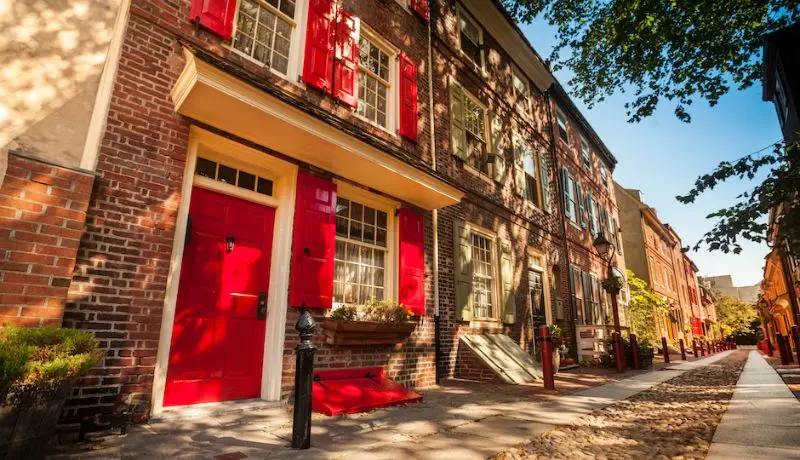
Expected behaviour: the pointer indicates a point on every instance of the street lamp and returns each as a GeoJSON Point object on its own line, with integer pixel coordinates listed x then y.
{"type": "Point", "coordinates": [605, 249]}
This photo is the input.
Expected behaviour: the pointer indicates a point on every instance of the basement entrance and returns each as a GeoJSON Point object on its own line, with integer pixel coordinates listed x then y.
{"type": "Point", "coordinates": [504, 357]}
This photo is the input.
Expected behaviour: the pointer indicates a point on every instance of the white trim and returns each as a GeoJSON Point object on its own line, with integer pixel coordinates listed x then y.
{"type": "Point", "coordinates": [496, 289]}
{"type": "Point", "coordinates": [284, 185]}
{"type": "Point", "coordinates": [393, 90]}
{"type": "Point", "coordinates": [212, 96]}
{"type": "Point", "coordinates": [105, 88]}
{"type": "Point", "coordinates": [534, 256]}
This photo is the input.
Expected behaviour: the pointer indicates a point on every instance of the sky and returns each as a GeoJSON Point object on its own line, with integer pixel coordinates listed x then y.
{"type": "Point", "coordinates": [662, 157]}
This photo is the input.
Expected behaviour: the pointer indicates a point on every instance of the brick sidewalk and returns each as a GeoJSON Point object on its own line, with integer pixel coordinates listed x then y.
{"type": "Point", "coordinates": [266, 431]}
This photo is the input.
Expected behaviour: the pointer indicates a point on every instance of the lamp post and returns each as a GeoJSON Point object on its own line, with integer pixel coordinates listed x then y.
{"type": "Point", "coordinates": [605, 249]}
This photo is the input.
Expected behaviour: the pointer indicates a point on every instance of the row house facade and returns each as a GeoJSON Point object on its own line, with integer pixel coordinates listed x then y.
{"type": "Point", "coordinates": [780, 287]}
{"type": "Point", "coordinates": [654, 252]}
{"type": "Point", "coordinates": [255, 157]}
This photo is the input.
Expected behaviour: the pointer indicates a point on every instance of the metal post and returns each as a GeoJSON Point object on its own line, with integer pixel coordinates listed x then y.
{"type": "Point", "coordinates": [702, 348]}
{"type": "Point", "coordinates": [694, 347]}
{"type": "Point", "coordinates": [664, 349]}
{"type": "Point", "coordinates": [547, 357]}
{"type": "Point", "coordinates": [635, 351]}
{"type": "Point", "coordinates": [619, 354]}
{"type": "Point", "coordinates": [770, 349]}
{"type": "Point", "coordinates": [304, 368]}
{"type": "Point", "coordinates": [796, 337]}
{"type": "Point", "coordinates": [683, 351]}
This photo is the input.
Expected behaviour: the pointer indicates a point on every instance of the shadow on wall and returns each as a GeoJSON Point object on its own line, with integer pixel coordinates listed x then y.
{"type": "Point", "coordinates": [52, 53]}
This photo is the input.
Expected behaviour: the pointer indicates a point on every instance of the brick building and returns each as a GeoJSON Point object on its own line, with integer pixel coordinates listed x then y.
{"type": "Point", "coordinates": [257, 156]}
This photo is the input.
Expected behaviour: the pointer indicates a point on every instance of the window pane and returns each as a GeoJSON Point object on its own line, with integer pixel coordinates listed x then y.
{"type": "Point", "coordinates": [206, 168]}
{"type": "Point", "coordinates": [360, 269]}
{"type": "Point", "coordinates": [264, 186]}
{"type": "Point", "coordinates": [227, 175]}
{"type": "Point", "coordinates": [246, 180]}
{"type": "Point", "coordinates": [263, 35]}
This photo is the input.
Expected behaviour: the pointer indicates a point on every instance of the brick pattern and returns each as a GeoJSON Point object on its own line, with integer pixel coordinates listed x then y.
{"type": "Point", "coordinates": [470, 367]}
{"type": "Point", "coordinates": [42, 214]}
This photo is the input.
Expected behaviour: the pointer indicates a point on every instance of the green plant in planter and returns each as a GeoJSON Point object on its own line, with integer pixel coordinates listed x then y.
{"type": "Point", "coordinates": [36, 361]}
{"type": "Point", "coordinates": [613, 284]}
{"type": "Point", "coordinates": [380, 311]}
{"type": "Point", "coordinates": [344, 313]}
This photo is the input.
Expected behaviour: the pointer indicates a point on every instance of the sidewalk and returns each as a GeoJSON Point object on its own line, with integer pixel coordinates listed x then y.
{"type": "Point", "coordinates": [763, 419]}
{"type": "Point", "coordinates": [459, 420]}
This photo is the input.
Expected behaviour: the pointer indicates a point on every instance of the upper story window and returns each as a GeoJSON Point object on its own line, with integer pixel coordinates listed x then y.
{"type": "Point", "coordinates": [264, 31]}
{"type": "Point", "coordinates": [475, 125]}
{"type": "Point", "coordinates": [570, 197]}
{"type": "Point", "coordinates": [526, 161]}
{"type": "Point", "coordinates": [604, 176]}
{"type": "Point", "coordinates": [362, 236]}
{"type": "Point", "coordinates": [563, 133]}
{"type": "Point", "coordinates": [780, 98]}
{"type": "Point", "coordinates": [522, 92]}
{"type": "Point", "coordinates": [470, 38]}
{"type": "Point", "coordinates": [374, 81]}
{"type": "Point", "coordinates": [586, 153]}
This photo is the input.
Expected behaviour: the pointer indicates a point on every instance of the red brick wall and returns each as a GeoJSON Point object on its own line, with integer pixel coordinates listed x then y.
{"type": "Point", "coordinates": [470, 367]}
{"type": "Point", "coordinates": [42, 213]}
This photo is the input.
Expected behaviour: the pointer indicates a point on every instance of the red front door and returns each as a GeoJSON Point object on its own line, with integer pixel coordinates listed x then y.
{"type": "Point", "coordinates": [217, 346]}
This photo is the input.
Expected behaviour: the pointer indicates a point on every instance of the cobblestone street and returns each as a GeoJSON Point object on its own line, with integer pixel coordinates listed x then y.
{"type": "Point", "coordinates": [675, 419]}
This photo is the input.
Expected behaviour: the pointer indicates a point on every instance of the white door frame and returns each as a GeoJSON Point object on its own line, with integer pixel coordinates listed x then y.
{"type": "Point", "coordinates": [284, 176]}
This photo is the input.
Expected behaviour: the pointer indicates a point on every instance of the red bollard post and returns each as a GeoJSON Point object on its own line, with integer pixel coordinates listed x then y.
{"type": "Point", "coordinates": [683, 351]}
{"type": "Point", "coordinates": [702, 348]}
{"type": "Point", "coordinates": [547, 357]}
{"type": "Point", "coordinates": [781, 348]}
{"type": "Point", "coordinates": [665, 349]}
{"type": "Point", "coordinates": [619, 352]}
{"type": "Point", "coordinates": [694, 347]}
{"type": "Point", "coordinates": [635, 351]}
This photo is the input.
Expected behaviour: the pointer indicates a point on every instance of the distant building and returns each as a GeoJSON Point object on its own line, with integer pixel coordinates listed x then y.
{"type": "Point", "coordinates": [723, 284]}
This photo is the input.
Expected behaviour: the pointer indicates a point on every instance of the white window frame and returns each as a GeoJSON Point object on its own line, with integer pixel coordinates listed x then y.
{"type": "Point", "coordinates": [392, 94]}
{"type": "Point", "coordinates": [604, 175]}
{"type": "Point", "coordinates": [389, 206]}
{"type": "Point", "coordinates": [517, 75]}
{"type": "Point", "coordinates": [296, 43]}
{"type": "Point", "coordinates": [563, 127]}
{"type": "Point", "coordinates": [486, 133]}
{"type": "Point", "coordinates": [495, 285]}
{"type": "Point", "coordinates": [462, 14]}
{"type": "Point", "coordinates": [572, 196]}
{"type": "Point", "coordinates": [586, 153]}
{"type": "Point", "coordinates": [521, 147]}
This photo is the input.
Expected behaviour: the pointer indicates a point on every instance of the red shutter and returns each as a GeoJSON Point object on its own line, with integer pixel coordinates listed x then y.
{"type": "Point", "coordinates": [412, 262]}
{"type": "Point", "coordinates": [345, 63]}
{"type": "Point", "coordinates": [214, 15]}
{"type": "Point", "coordinates": [318, 60]}
{"type": "Point", "coordinates": [421, 8]}
{"type": "Point", "coordinates": [314, 243]}
{"type": "Point", "coordinates": [409, 109]}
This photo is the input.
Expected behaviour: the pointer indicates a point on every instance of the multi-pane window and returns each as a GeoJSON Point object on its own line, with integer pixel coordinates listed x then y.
{"type": "Point", "coordinates": [361, 252]}
{"type": "Point", "coordinates": [561, 119]}
{"type": "Point", "coordinates": [526, 160]}
{"type": "Point", "coordinates": [522, 92]}
{"type": "Point", "coordinates": [373, 82]}
{"type": "Point", "coordinates": [482, 275]}
{"type": "Point", "coordinates": [586, 153]}
{"type": "Point", "coordinates": [571, 198]}
{"type": "Point", "coordinates": [264, 31]}
{"type": "Point", "coordinates": [576, 286]}
{"type": "Point", "coordinates": [471, 38]}
{"type": "Point", "coordinates": [604, 175]}
{"type": "Point", "coordinates": [234, 176]}
{"type": "Point", "coordinates": [475, 127]}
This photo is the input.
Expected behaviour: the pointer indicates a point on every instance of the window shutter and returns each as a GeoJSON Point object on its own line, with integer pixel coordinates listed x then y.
{"type": "Point", "coordinates": [508, 296]}
{"type": "Point", "coordinates": [314, 243]}
{"type": "Point", "coordinates": [545, 183]}
{"type": "Point", "coordinates": [519, 173]}
{"type": "Point", "coordinates": [463, 271]}
{"type": "Point", "coordinates": [318, 59]}
{"type": "Point", "coordinates": [499, 166]}
{"type": "Point", "coordinates": [409, 103]}
{"type": "Point", "coordinates": [588, 297]}
{"type": "Point", "coordinates": [581, 206]}
{"type": "Point", "coordinates": [565, 191]}
{"type": "Point", "coordinates": [591, 211]}
{"type": "Point", "coordinates": [458, 136]}
{"type": "Point", "coordinates": [602, 219]}
{"type": "Point", "coordinates": [412, 261]}
{"type": "Point", "coordinates": [345, 61]}
{"type": "Point", "coordinates": [214, 15]}
{"type": "Point", "coordinates": [421, 8]}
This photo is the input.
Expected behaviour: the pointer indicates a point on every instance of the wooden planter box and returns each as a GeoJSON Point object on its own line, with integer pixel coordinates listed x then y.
{"type": "Point", "coordinates": [366, 332]}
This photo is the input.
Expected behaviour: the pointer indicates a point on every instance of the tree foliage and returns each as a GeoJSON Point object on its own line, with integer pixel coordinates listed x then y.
{"type": "Point", "coordinates": [645, 309]}
{"type": "Point", "coordinates": [658, 50]}
{"type": "Point", "coordinates": [746, 219]}
{"type": "Point", "coordinates": [734, 316]}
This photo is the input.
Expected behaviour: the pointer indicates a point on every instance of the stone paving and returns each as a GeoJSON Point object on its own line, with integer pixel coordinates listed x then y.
{"type": "Point", "coordinates": [675, 419]}
{"type": "Point", "coordinates": [459, 420]}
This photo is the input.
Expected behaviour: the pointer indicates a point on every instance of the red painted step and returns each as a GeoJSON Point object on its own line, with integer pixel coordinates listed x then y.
{"type": "Point", "coordinates": [347, 391]}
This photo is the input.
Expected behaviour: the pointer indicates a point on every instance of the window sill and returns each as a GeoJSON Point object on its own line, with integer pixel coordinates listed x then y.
{"type": "Point", "coordinates": [483, 176]}
{"type": "Point", "coordinates": [486, 323]}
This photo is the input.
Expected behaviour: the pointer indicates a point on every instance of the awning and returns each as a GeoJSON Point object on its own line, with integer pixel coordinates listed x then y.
{"type": "Point", "coordinates": [347, 391]}
{"type": "Point", "coordinates": [213, 96]}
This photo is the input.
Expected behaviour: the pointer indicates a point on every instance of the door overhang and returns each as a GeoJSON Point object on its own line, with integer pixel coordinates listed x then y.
{"type": "Point", "coordinates": [210, 95]}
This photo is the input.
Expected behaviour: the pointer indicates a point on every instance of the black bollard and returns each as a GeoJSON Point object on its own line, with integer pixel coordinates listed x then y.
{"type": "Point", "coordinates": [304, 368]}
{"type": "Point", "coordinates": [664, 349]}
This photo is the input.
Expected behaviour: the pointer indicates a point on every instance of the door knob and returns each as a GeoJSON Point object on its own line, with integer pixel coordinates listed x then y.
{"type": "Point", "coordinates": [229, 242]}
